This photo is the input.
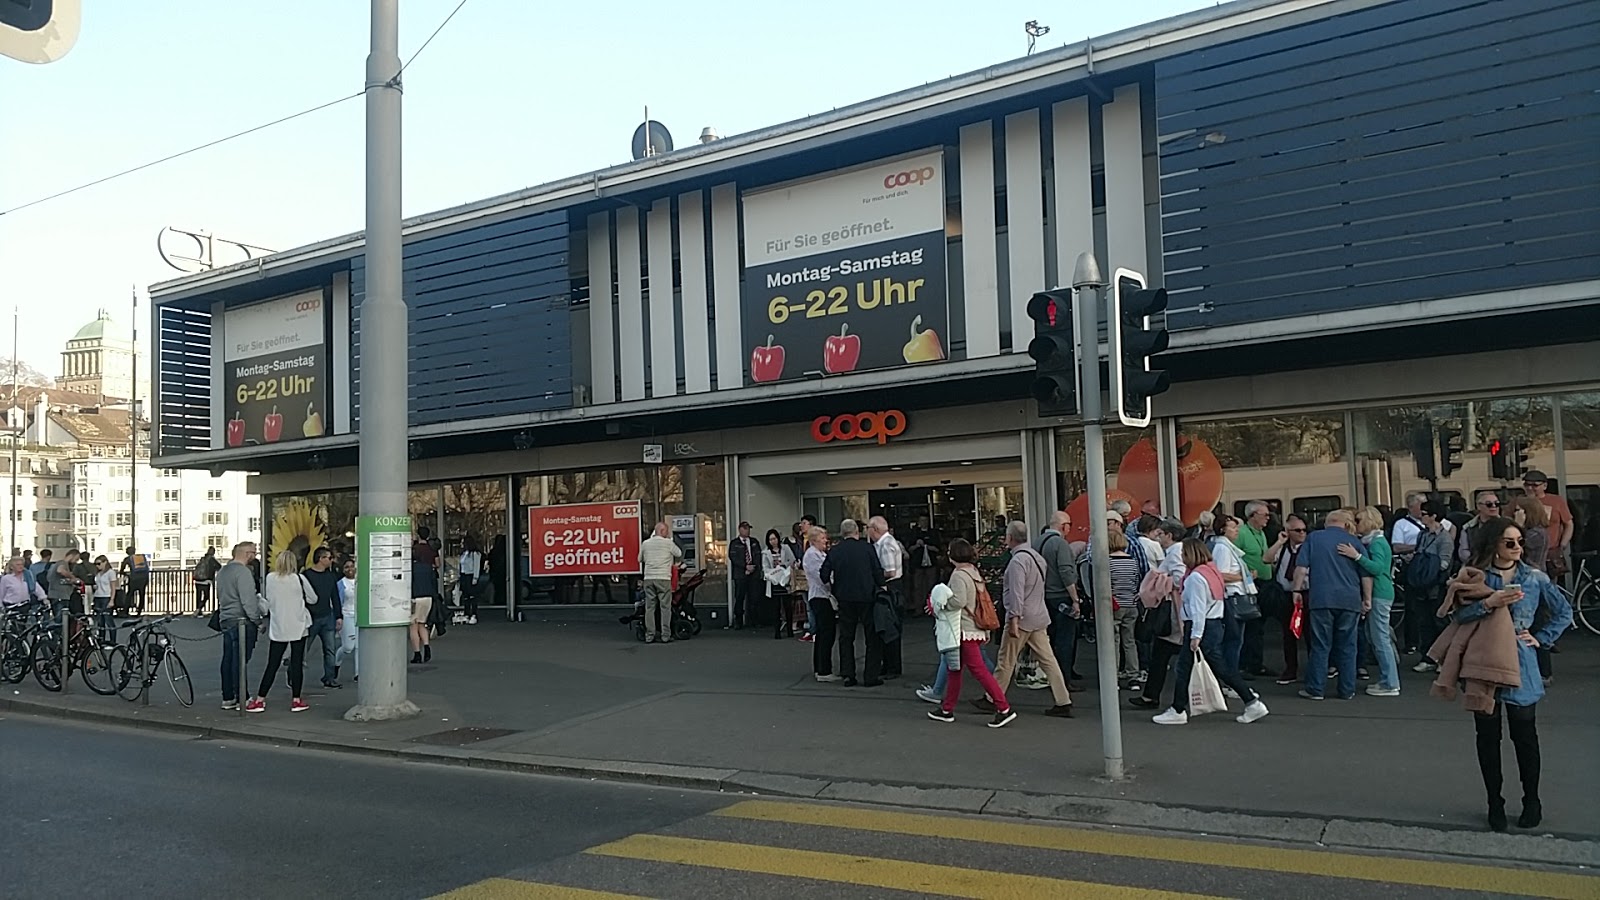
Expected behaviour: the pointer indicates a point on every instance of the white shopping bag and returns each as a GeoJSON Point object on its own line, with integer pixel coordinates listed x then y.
{"type": "Point", "coordinates": [1205, 694]}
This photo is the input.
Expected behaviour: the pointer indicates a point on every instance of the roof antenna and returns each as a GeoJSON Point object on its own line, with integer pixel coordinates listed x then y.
{"type": "Point", "coordinates": [1035, 31]}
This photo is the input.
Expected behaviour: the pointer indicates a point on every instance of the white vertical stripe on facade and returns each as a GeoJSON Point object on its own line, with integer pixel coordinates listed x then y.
{"type": "Point", "coordinates": [725, 285]}
{"type": "Point", "coordinates": [1123, 151]}
{"type": "Point", "coordinates": [696, 318]}
{"type": "Point", "coordinates": [1073, 214]}
{"type": "Point", "coordinates": [1024, 220]}
{"type": "Point", "coordinates": [663, 318]}
{"type": "Point", "coordinates": [630, 305]}
{"type": "Point", "coordinates": [339, 416]}
{"type": "Point", "coordinates": [602, 325]}
{"type": "Point", "coordinates": [979, 275]}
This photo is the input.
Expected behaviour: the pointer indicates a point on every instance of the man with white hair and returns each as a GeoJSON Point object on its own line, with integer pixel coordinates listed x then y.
{"type": "Point", "coordinates": [892, 557]}
{"type": "Point", "coordinates": [1403, 539]}
{"type": "Point", "coordinates": [1028, 621]}
{"type": "Point", "coordinates": [1338, 593]}
{"type": "Point", "coordinates": [854, 574]}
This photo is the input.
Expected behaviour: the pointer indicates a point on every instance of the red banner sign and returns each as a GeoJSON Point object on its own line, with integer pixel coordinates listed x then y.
{"type": "Point", "coordinates": [584, 539]}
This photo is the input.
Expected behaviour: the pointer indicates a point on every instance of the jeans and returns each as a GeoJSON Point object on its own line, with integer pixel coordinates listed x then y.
{"type": "Point", "coordinates": [1333, 637]}
{"type": "Point", "coordinates": [105, 621]}
{"type": "Point", "coordinates": [1232, 636]}
{"type": "Point", "coordinates": [326, 630]}
{"type": "Point", "coordinates": [657, 610]}
{"type": "Point", "coordinates": [851, 616]}
{"type": "Point", "coordinates": [1380, 634]}
{"type": "Point", "coordinates": [137, 587]}
{"type": "Point", "coordinates": [1064, 639]}
{"type": "Point", "coordinates": [469, 595]}
{"type": "Point", "coordinates": [348, 640]}
{"type": "Point", "coordinates": [297, 666]}
{"type": "Point", "coordinates": [231, 689]}
{"type": "Point", "coordinates": [746, 590]}
{"type": "Point", "coordinates": [1212, 641]}
{"type": "Point", "coordinates": [825, 632]}
{"type": "Point", "coordinates": [1162, 653]}
{"type": "Point", "coordinates": [971, 656]}
{"type": "Point", "coordinates": [202, 594]}
{"type": "Point", "coordinates": [943, 675]}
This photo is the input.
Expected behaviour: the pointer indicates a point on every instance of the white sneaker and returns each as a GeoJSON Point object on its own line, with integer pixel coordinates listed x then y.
{"type": "Point", "coordinates": [1254, 712]}
{"type": "Point", "coordinates": [1424, 667]}
{"type": "Point", "coordinates": [829, 678]}
{"type": "Point", "coordinates": [1377, 690]}
{"type": "Point", "coordinates": [926, 693]}
{"type": "Point", "coordinates": [1171, 717]}
{"type": "Point", "coordinates": [1231, 694]}
{"type": "Point", "coordinates": [472, 620]}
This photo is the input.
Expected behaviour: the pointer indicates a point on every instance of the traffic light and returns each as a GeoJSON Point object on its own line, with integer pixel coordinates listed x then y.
{"type": "Point", "coordinates": [1422, 452]}
{"type": "Point", "coordinates": [1133, 342]}
{"type": "Point", "coordinates": [1055, 370]}
{"type": "Point", "coordinates": [38, 31]}
{"type": "Point", "coordinates": [1450, 447]}
{"type": "Point", "coordinates": [1506, 459]}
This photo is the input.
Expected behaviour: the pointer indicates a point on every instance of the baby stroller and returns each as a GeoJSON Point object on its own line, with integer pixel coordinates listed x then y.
{"type": "Point", "coordinates": [685, 621]}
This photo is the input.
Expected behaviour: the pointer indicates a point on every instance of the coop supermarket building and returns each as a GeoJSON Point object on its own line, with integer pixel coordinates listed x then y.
{"type": "Point", "coordinates": [1378, 222]}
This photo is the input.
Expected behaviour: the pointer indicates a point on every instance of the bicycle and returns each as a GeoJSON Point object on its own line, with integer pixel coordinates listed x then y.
{"type": "Point", "coordinates": [17, 633]}
{"type": "Point", "coordinates": [149, 652]}
{"type": "Point", "coordinates": [87, 654]}
{"type": "Point", "coordinates": [1585, 593]}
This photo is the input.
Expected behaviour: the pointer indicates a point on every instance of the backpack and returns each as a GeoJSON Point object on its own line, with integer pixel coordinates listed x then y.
{"type": "Point", "coordinates": [983, 613]}
{"type": "Point", "coordinates": [139, 565]}
{"type": "Point", "coordinates": [1425, 568]}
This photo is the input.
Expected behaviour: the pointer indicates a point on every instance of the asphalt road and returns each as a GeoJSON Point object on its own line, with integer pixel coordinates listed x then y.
{"type": "Point", "coordinates": [97, 811]}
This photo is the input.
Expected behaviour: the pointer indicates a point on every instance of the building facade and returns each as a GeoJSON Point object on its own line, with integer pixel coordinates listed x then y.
{"type": "Point", "coordinates": [1375, 220]}
{"type": "Point", "coordinates": [77, 478]}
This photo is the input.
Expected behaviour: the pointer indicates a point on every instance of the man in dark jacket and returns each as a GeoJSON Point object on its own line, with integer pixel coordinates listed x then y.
{"type": "Point", "coordinates": [744, 567]}
{"type": "Point", "coordinates": [853, 570]}
{"type": "Point", "coordinates": [325, 612]}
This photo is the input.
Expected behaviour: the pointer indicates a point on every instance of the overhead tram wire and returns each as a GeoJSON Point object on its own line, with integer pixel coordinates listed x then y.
{"type": "Point", "coordinates": [236, 135]}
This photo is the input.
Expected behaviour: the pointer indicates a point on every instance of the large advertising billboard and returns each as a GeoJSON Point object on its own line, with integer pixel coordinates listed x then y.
{"type": "Point", "coordinates": [584, 539]}
{"type": "Point", "coordinates": [275, 380]}
{"type": "Point", "coordinates": [846, 272]}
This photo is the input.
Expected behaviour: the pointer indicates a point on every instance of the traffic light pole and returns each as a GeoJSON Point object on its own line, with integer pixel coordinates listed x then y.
{"type": "Point", "coordinates": [1087, 285]}
{"type": "Point", "coordinates": [384, 467]}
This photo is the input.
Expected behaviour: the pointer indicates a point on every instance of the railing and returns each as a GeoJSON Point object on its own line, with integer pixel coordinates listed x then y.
{"type": "Point", "coordinates": [170, 591]}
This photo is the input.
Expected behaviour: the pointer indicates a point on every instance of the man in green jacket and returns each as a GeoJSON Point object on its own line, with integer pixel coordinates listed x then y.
{"type": "Point", "coordinates": [1253, 544]}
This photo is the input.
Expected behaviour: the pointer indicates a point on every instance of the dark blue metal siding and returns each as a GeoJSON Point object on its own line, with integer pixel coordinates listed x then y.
{"type": "Point", "coordinates": [183, 380]}
{"type": "Point", "coordinates": [490, 327]}
{"type": "Point", "coordinates": [1415, 150]}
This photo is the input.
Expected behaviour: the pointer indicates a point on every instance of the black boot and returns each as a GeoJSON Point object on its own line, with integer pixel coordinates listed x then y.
{"type": "Point", "coordinates": [416, 658]}
{"type": "Point", "coordinates": [1488, 740]}
{"type": "Point", "coordinates": [427, 653]}
{"type": "Point", "coordinates": [1525, 740]}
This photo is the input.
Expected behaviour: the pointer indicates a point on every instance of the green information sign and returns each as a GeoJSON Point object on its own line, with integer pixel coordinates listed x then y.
{"type": "Point", "coordinates": [383, 578]}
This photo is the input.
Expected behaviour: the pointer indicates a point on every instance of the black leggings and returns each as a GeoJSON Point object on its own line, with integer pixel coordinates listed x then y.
{"type": "Point", "coordinates": [297, 666]}
{"type": "Point", "coordinates": [469, 595]}
{"type": "Point", "coordinates": [1162, 653]}
{"type": "Point", "coordinates": [1524, 739]}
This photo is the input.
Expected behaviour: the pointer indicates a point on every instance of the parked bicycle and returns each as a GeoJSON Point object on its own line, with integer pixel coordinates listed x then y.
{"type": "Point", "coordinates": [88, 653]}
{"type": "Point", "coordinates": [148, 654]}
{"type": "Point", "coordinates": [17, 632]}
{"type": "Point", "coordinates": [1585, 593]}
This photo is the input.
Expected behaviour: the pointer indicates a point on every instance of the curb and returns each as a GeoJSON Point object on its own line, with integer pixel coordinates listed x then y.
{"type": "Point", "coordinates": [1330, 833]}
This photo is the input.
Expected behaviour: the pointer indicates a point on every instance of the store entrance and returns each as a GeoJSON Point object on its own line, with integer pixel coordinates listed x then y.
{"type": "Point", "coordinates": [948, 510]}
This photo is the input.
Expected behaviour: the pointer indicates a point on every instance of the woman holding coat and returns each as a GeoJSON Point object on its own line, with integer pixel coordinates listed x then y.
{"type": "Point", "coordinates": [777, 570]}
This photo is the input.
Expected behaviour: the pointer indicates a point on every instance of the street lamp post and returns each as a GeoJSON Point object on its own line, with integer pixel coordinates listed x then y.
{"type": "Point", "coordinates": [384, 460]}
{"type": "Point", "coordinates": [1088, 283]}
{"type": "Point", "coordinates": [13, 428]}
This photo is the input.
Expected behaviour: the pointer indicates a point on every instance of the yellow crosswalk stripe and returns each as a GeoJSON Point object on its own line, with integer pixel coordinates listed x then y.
{"type": "Point", "coordinates": [512, 889]}
{"type": "Point", "coordinates": [1420, 873]}
{"type": "Point", "coordinates": [894, 874]}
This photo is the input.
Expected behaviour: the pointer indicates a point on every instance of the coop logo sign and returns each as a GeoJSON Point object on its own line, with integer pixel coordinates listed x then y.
{"type": "Point", "coordinates": [308, 305]}
{"type": "Point", "coordinates": [866, 426]}
{"type": "Point", "coordinates": [909, 177]}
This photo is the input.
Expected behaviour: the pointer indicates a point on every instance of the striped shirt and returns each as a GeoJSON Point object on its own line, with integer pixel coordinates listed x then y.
{"type": "Point", "coordinates": [1124, 581]}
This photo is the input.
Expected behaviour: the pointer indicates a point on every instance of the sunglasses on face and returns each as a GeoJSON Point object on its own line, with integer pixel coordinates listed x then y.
{"type": "Point", "coordinates": [1511, 543]}
{"type": "Point", "coordinates": [1490, 504]}
{"type": "Point", "coordinates": [1296, 530]}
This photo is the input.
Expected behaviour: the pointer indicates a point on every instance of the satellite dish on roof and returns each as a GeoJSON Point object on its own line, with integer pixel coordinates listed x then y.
{"type": "Point", "coordinates": [651, 138]}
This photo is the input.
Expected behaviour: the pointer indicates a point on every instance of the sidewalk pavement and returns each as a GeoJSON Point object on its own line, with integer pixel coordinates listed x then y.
{"type": "Point", "coordinates": [740, 711]}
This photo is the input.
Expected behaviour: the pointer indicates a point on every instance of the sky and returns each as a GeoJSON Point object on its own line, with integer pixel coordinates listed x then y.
{"type": "Point", "coordinates": [511, 93]}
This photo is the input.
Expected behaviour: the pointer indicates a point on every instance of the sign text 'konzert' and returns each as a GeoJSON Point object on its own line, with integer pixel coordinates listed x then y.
{"type": "Point", "coordinates": [866, 426]}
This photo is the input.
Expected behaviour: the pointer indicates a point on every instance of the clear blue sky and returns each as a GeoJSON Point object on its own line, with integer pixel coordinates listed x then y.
{"type": "Point", "coordinates": [512, 93]}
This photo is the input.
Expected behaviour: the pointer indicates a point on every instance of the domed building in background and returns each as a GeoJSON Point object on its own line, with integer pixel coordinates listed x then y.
{"type": "Point", "coordinates": [99, 361]}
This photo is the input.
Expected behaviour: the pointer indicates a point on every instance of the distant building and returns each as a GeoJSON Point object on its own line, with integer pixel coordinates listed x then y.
{"type": "Point", "coordinates": [77, 482]}
{"type": "Point", "coordinates": [99, 362]}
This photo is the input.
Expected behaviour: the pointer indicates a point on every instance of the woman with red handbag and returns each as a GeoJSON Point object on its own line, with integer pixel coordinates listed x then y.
{"type": "Point", "coordinates": [1282, 556]}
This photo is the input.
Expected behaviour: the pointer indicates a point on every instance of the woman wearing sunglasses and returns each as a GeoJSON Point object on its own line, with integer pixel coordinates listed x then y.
{"type": "Point", "coordinates": [1497, 550]}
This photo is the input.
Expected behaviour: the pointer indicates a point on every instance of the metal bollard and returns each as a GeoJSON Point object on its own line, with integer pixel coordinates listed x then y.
{"type": "Point", "coordinates": [66, 653]}
{"type": "Point", "coordinates": [244, 667]}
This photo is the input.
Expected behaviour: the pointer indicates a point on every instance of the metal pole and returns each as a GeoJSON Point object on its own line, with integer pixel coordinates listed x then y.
{"type": "Point", "coordinates": [133, 434]}
{"type": "Point", "coordinates": [1088, 284]}
{"type": "Point", "coordinates": [144, 671]}
{"type": "Point", "coordinates": [16, 433]}
{"type": "Point", "coordinates": [384, 461]}
{"type": "Point", "coordinates": [65, 654]}
{"type": "Point", "coordinates": [244, 667]}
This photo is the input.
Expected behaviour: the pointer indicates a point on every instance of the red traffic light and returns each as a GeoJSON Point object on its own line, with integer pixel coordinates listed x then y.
{"type": "Point", "coordinates": [1494, 448]}
{"type": "Point", "coordinates": [1051, 309]}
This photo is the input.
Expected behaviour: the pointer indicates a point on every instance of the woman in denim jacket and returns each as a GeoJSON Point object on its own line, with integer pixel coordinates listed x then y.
{"type": "Point", "coordinates": [1497, 549]}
